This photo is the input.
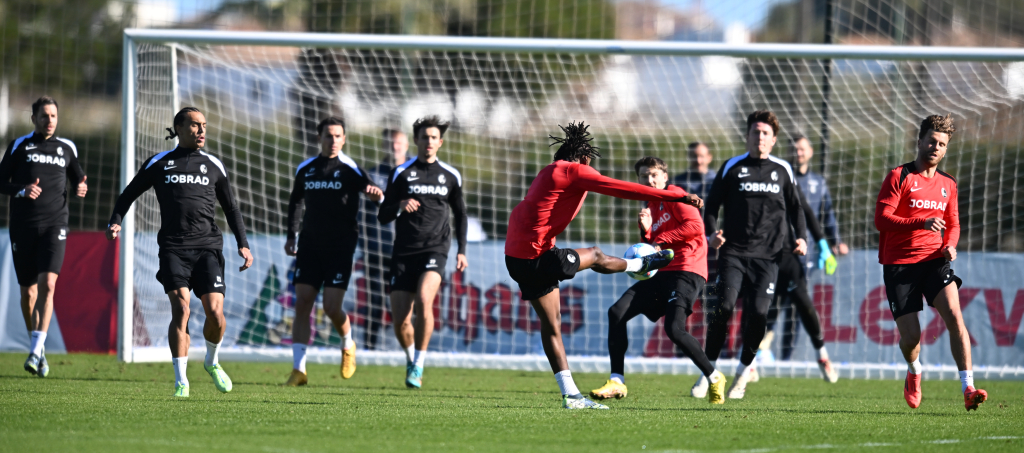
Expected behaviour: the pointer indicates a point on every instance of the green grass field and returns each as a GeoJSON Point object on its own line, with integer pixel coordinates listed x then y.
{"type": "Point", "coordinates": [94, 403]}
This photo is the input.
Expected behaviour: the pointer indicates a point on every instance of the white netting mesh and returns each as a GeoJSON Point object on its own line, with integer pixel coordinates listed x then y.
{"type": "Point", "coordinates": [261, 103]}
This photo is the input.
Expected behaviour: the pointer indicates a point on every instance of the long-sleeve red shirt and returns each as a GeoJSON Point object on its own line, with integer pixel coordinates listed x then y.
{"type": "Point", "coordinates": [905, 201]}
{"type": "Point", "coordinates": [556, 196]}
{"type": "Point", "coordinates": [678, 226]}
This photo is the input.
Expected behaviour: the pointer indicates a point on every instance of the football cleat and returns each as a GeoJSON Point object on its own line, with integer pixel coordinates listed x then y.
{"type": "Point", "coordinates": [348, 362]}
{"type": "Point", "coordinates": [610, 389]}
{"type": "Point", "coordinates": [44, 368]}
{"type": "Point", "coordinates": [739, 386]}
{"type": "Point", "coordinates": [181, 390]}
{"type": "Point", "coordinates": [413, 376]}
{"type": "Point", "coordinates": [296, 379]}
{"type": "Point", "coordinates": [700, 388]}
{"type": "Point", "coordinates": [827, 371]}
{"type": "Point", "coordinates": [753, 375]}
{"type": "Point", "coordinates": [912, 390]}
{"type": "Point", "coordinates": [973, 397]}
{"type": "Point", "coordinates": [220, 378]}
{"type": "Point", "coordinates": [579, 401]}
{"type": "Point", "coordinates": [656, 260]}
{"type": "Point", "coordinates": [716, 391]}
{"type": "Point", "coordinates": [32, 364]}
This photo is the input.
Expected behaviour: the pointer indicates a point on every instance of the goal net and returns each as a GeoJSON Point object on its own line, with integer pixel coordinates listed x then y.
{"type": "Point", "coordinates": [263, 93]}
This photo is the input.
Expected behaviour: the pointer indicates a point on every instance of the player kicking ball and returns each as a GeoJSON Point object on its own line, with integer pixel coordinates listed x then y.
{"type": "Point", "coordinates": [418, 199]}
{"type": "Point", "coordinates": [188, 183]}
{"type": "Point", "coordinates": [34, 173]}
{"type": "Point", "coordinates": [329, 184]}
{"type": "Point", "coordinates": [554, 198]}
{"type": "Point", "coordinates": [671, 292]}
{"type": "Point", "coordinates": [919, 224]}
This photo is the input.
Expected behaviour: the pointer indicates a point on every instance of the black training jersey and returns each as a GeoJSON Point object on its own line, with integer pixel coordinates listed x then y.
{"type": "Point", "coordinates": [52, 161]}
{"type": "Point", "coordinates": [187, 182]}
{"type": "Point", "coordinates": [761, 205]}
{"type": "Point", "coordinates": [330, 189]}
{"type": "Point", "coordinates": [438, 187]}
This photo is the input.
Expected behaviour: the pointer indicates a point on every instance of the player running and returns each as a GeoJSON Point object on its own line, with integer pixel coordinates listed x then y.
{"type": "Point", "coordinates": [34, 173]}
{"type": "Point", "coordinates": [554, 198]}
{"type": "Point", "coordinates": [671, 292]}
{"type": "Point", "coordinates": [419, 197]}
{"type": "Point", "coordinates": [329, 184]}
{"type": "Point", "coordinates": [919, 224]}
{"type": "Point", "coordinates": [761, 204]}
{"type": "Point", "coordinates": [188, 182]}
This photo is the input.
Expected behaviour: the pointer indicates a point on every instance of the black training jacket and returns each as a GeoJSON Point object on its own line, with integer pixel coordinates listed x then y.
{"type": "Point", "coordinates": [330, 188]}
{"type": "Point", "coordinates": [52, 161]}
{"type": "Point", "coordinates": [438, 187]}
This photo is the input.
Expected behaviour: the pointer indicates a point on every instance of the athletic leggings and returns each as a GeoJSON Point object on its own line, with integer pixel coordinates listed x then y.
{"type": "Point", "coordinates": [793, 283]}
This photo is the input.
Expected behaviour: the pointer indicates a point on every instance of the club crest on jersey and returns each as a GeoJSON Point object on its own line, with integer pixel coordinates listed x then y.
{"type": "Point", "coordinates": [440, 179]}
{"type": "Point", "coordinates": [943, 192]}
{"type": "Point", "coordinates": [571, 258]}
{"type": "Point", "coordinates": [775, 176]}
{"type": "Point", "coordinates": [337, 173]}
{"type": "Point", "coordinates": [60, 151]}
{"type": "Point", "coordinates": [202, 168]}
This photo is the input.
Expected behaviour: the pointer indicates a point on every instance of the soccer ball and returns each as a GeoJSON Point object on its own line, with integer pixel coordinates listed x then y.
{"type": "Point", "coordinates": [639, 251]}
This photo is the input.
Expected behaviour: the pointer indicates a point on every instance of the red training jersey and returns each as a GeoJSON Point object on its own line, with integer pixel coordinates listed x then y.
{"type": "Point", "coordinates": [906, 200]}
{"type": "Point", "coordinates": [678, 226]}
{"type": "Point", "coordinates": [556, 196]}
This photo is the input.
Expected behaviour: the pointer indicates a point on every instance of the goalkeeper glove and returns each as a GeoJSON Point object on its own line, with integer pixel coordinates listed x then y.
{"type": "Point", "coordinates": [826, 260]}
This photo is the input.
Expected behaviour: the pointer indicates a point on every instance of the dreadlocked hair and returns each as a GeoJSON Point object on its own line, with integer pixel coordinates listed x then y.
{"type": "Point", "coordinates": [179, 119]}
{"type": "Point", "coordinates": [576, 144]}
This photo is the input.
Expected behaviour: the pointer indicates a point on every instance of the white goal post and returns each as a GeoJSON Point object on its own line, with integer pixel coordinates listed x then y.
{"type": "Point", "coordinates": [858, 105]}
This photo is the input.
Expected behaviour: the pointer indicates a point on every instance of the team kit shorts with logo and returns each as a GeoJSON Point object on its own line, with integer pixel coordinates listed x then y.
{"type": "Point", "coordinates": [906, 284]}
{"type": "Point", "coordinates": [406, 270]}
{"type": "Point", "coordinates": [654, 296]}
{"type": "Point", "coordinates": [200, 270]}
{"type": "Point", "coordinates": [747, 275]}
{"type": "Point", "coordinates": [323, 264]}
{"type": "Point", "coordinates": [541, 275]}
{"type": "Point", "coordinates": [37, 250]}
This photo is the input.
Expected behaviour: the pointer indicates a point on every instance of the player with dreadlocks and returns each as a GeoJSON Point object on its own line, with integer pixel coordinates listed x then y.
{"type": "Point", "coordinates": [552, 201]}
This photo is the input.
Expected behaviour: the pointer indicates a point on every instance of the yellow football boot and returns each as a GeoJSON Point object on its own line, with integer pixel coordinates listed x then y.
{"type": "Point", "coordinates": [296, 379]}
{"type": "Point", "coordinates": [610, 389]}
{"type": "Point", "coordinates": [348, 362]}
{"type": "Point", "coordinates": [716, 391]}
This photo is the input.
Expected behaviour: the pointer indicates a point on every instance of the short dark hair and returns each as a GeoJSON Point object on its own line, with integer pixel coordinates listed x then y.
{"type": "Point", "coordinates": [693, 145]}
{"type": "Point", "coordinates": [650, 162]}
{"type": "Point", "coordinates": [764, 116]}
{"type": "Point", "coordinates": [43, 100]}
{"type": "Point", "coordinates": [576, 143]}
{"type": "Point", "coordinates": [179, 119]}
{"type": "Point", "coordinates": [427, 123]}
{"type": "Point", "coordinates": [797, 137]}
{"type": "Point", "coordinates": [330, 121]}
{"type": "Point", "coordinates": [937, 123]}
{"type": "Point", "coordinates": [389, 133]}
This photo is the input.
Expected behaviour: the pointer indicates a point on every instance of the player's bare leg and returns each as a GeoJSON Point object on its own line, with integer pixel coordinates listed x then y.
{"type": "Point", "coordinates": [910, 344]}
{"type": "Point", "coordinates": [178, 338]}
{"type": "Point", "coordinates": [401, 320]}
{"type": "Point", "coordinates": [305, 298]}
{"type": "Point", "coordinates": [333, 300]}
{"type": "Point", "coordinates": [423, 306]}
{"type": "Point", "coordinates": [37, 308]}
{"type": "Point", "coordinates": [947, 303]}
{"type": "Point", "coordinates": [213, 331]}
{"type": "Point", "coordinates": [550, 315]}
{"type": "Point", "coordinates": [593, 258]}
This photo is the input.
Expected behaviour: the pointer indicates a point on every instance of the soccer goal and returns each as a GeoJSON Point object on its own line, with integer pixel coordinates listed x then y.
{"type": "Point", "coordinates": [859, 106]}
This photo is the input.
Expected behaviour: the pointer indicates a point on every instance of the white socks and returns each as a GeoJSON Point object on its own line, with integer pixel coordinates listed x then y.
{"type": "Point", "coordinates": [743, 370]}
{"type": "Point", "coordinates": [966, 380]}
{"type": "Point", "coordinates": [38, 339]}
{"type": "Point", "coordinates": [822, 354]}
{"type": "Point", "coordinates": [410, 352]}
{"type": "Point", "coordinates": [347, 342]}
{"type": "Point", "coordinates": [714, 377]}
{"type": "Point", "coordinates": [915, 366]}
{"type": "Point", "coordinates": [420, 358]}
{"type": "Point", "coordinates": [618, 378]}
{"type": "Point", "coordinates": [299, 357]}
{"type": "Point", "coordinates": [565, 382]}
{"type": "Point", "coordinates": [180, 363]}
{"type": "Point", "coordinates": [211, 353]}
{"type": "Point", "coordinates": [634, 264]}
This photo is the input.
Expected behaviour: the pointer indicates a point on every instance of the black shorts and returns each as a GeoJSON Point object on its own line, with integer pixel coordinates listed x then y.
{"type": "Point", "coordinates": [653, 296]}
{"type": "Point", "coordinates": [37, 250]}
{"type": "Point", "coordinates": [750, 277]}
{"type": "Point", "coordinates": [200, 270]}
{"type": "Point", "coordinates": [792, 273]}
{"type": "Point", "coordinates": [324, 265]}
{"type": "Point", "coordinates": [906, 284]}
{"type": "Point", "coordinates": [539, 276]}
{"type": "Point", "coordinates": [406, 270]}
